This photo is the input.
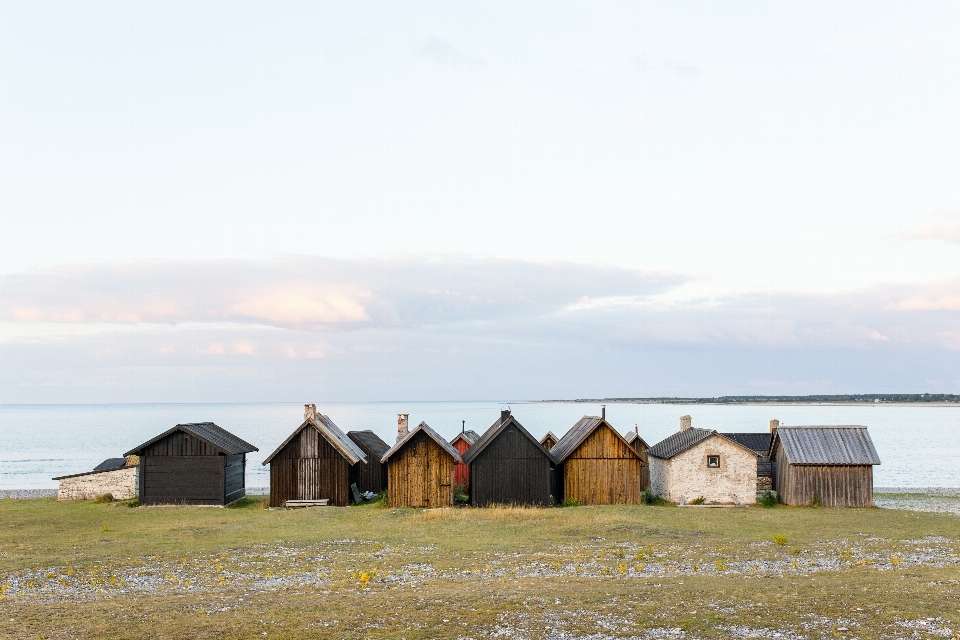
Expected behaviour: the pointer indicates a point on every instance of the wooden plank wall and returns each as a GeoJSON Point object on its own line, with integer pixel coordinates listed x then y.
{"type": "Point", "coordinates": [603, 470]}
{"type": "Point", "coordinates": [180, 444]}
{"type": "Point", "coordinates": [181, 480]}
{"type": "Point", "coordinates": [234, 477]}
{"type": "Point", "coordinates": [644, 464]}
{"type": "Point", "coordinates": [511, 470]}
{"type": "Point", "coordinates": [309, 468]}
{"type": "Point", "coordinates": [420, 475]}
{"type": "Point", "coordinates": [461, 471]}
{"type": "Point", "coordinates": [834, 485]}
{"type": "Point", "coordinates": [370, 476]}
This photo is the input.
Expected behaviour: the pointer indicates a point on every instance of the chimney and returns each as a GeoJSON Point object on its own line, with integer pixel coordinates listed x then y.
{"type": "Point", "coordinates": [504, 414]}
{"type": "Point", "coordinates": [603, 412]}
{"type": "Point", "coordinates": [773, 425]}
{"type": "Point", "coordinates": [403, 426]}
{"type": "Point", "coordinates": [309, 411]}
{"type": "Point", "coordinates": [684, 423]}
{"type": "Point", "coordinates": [636, 429]}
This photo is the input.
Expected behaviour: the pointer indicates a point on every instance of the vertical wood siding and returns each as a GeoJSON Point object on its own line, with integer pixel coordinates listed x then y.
{"type": "Point", "coordinates": [234, 477]}
{"type": "Point", "coordinates": [602, 470]}
{"type": "Point", "coordinates": [309, 468]}
{"type": "Point", "coordinates": [420, 475]}
{"type": "Point", "coordinates": [461, 471]}
{"type": "Point", "coordinates": [182, 480]}
{"type": "Point", "coordinates": [511, 470]}
{"type": "Point", "coordinates": [834, 485]}
{"type": "Point", "coordinates": [641, 450]}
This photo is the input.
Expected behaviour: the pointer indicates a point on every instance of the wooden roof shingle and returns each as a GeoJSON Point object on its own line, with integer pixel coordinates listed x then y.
{"type": "Point", "coordinates": [332, 434]}
{"type": "Point", "coordinates": [578, 434]}
{"type": "Point", "coordinates": [374, 444]}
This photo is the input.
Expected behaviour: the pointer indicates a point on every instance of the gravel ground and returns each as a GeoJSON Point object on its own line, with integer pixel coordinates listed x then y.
{"type": "Point", "coordinates": [28, 493]}
{"type": "Point", "coordinates": [932, 499]}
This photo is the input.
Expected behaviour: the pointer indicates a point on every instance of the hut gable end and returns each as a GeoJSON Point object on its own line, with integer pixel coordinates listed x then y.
{"type": "Point", "coordinates": [420, 470]}
{"type": "Point", "coordinates": [512, 467]}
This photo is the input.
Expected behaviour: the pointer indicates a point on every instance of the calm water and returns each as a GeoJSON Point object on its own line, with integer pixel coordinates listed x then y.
{"type": "Point", "coordinates": [919, 446]}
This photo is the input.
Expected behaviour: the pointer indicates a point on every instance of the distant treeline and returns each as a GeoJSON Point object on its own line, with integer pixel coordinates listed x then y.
{"type": "Point", "coordinates": [857, 397]}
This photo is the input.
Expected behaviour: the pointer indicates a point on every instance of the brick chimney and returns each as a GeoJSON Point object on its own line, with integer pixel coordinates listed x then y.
{"type": "Point", "coordinates": [684, 423]}
{"type": "Point", "coordinates": [773, 425]}
{"type": "Point", "coordinates": [309, 412]}
{"type": "Point", "coordinates": [403, 426]}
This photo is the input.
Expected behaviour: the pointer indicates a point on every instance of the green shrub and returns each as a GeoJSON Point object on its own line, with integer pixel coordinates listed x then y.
{"type": "Point", "coordinates": [700, 500]}
{"type": "Point", "coordinates": [649, 497]}
{"type": "Point", "coordinates": [570, 502]}
{"type": "Point", "coordinates": [780, 539]}
{"type": "Point", "coordinates": [103, 497]}
{"type": "Point", "coordinates": [816, 502]}
{"type": "Point", "coordinates": [767, 498]}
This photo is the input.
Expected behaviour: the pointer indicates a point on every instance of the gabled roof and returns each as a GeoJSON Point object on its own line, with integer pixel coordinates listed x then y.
{"type": "Point", "coordinates": [550, 434]}
{"type": "Point", "coordinates": [495, 430]}
{"type": "Point", "coordinates": [577, 434]}
{"type": "Point", "coordinates": [633, 435]}
{"type": "Point", "coordinates": [682, 440]}
{"type": "Point", "coordinates": [215, 436]}
{"type": "Point", "coordinates": [425, 428]}
{"type": "Point", "coordinates": [468, 436]}
{"type": "Point", "coordinates": [373, 443]}
{"type": "Point", "coordinates": [110, 464]}
{"type": "Point", "coordinates": [759, 442]}
{"type": "Point", "coordinates": [332, 434]}
{"type": "Point", "coordinates": [823, 445]}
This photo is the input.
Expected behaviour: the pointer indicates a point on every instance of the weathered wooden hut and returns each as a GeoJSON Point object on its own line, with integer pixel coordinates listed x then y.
{"type": "Point", "coordinates": [509, 466]}
{"type": "Point", "coordinates": [640, 446]}
{"type": "Point", "coordinates": [197, 463]}
{"type": "Point", "coordinates": [313, 463]}
{"type": "Point", "coordinates": [371, 476]}
{"type": "Point", "coordinates": [549, 440]}
{"type": "Point", "coordinates": [420, 470]}
{"type": "Point", "coordinates": [829, 465]}
{"type": "Point", "coordinates": [701, 463]}
{"type": "Point", "coordinates": [596, 464]}
{"type": "Point", "coordinates": [461, 471]}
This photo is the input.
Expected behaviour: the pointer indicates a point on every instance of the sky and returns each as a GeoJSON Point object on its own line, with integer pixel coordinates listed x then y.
{"type": "Point", "coordinates": [343, 200]}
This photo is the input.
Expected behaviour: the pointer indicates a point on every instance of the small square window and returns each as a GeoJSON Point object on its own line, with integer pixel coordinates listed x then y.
{"type": "Point", "coordinates": [713, 462]}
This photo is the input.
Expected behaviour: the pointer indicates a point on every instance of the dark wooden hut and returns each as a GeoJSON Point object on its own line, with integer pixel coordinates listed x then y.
{"type": "Point", "coordinates": [509, 466]}
{"type": "Point", "coordinates": [313, 463]}
{"type": "Point", "coordinates": [197, 463]}
{"type": "Point", "coordinates": [461, 470]}
{"type": "Point", "coordinates": [597, 465]}
{"type": "Point", "coordinates": [832, 465]}
{"type": "Point", "coordinates": [420, 470]}
{"type": "Point", "coordinates": [373, 475]}
{"type": "Point", "coordinates": [640, 446]}
{"type": "Point", "coordinates": [760, 444]}
{"type": "Point", "coordinates": [549, 440]}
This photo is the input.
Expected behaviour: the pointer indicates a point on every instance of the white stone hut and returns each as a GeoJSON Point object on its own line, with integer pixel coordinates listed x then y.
{"type": "Point", "coordinates": [701, 463]}
{"type": "Point", "coordinates": [116, 476]}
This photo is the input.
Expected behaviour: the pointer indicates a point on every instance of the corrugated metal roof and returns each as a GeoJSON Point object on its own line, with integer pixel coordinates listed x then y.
{"type": "Point", "coordinates": [374, 444]}
{"type": "Point", "coordinates": [491, 434]}
{"type": "Point", "coordinates": [423, 426]}
{"type": "Point", "coordinates": [679, 442]}
{"type": "Point", "coordinates": [468, 435]}
{"type": "Point", "coordinates": [110, 464]}
{"type": "Point", "coordinates": [759, 442]}
{"type": "Point", "coordinates": [332, 434]}
{"type": "Point", "coordinates": [210, 433]}
{"type": "Point", "coordinates": [826, 445]}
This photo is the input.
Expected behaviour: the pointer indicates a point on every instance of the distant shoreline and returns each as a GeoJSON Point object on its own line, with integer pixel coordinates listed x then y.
{"type": "Point", "coordinates": [708, 402]}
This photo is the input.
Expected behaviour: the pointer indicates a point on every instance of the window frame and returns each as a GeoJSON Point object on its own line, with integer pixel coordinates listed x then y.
{"type": "Point", "coordinates": [710, 458]}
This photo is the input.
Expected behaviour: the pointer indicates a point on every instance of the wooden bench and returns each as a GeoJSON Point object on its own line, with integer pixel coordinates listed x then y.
{"type": "Point", "coordinates": [296, 504]}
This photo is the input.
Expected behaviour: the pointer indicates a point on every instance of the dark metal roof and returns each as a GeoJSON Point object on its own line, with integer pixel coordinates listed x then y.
{"type": "Point", "coordinates": [332, 434]}
{"type": "Point", "coordinates": [759, 442]}
{"type": "Point", "coordinates": [468, 435]}
{"type": "Point", "coordinates": [823, 445]}
{"type": "Point", "coordinates": [491, 434]}
{"type": "Point", "coordinates": [423, 426]}
{"type": "Point", "coordinates": [577, 434]}
{"type": "Point", "coordinates": [679, 442]}
{"type": "Point", "coordinates": [370, 441]}
{"type": "Point", "coordinates": [210, 433]}
{"type": "Point", "coordinates": [110, 464]}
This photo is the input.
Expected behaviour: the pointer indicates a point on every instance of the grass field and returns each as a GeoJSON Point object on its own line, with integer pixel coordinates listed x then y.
{"type": "Point", "coordinates": [90, 570]}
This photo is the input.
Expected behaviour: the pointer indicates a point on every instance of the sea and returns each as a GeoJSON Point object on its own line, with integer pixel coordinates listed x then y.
{"type": "Point", "coordinates": [919, 446]}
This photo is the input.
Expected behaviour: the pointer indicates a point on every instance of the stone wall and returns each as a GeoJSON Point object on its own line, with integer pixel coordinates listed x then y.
{"type": "Point", "coordinates": [686, 477]}
{"type": "Point", "coordinates": [122, 483]}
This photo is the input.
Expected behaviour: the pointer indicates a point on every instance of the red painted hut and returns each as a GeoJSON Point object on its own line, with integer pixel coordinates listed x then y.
{"type": "Point", "coordinates": [461, 471]}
